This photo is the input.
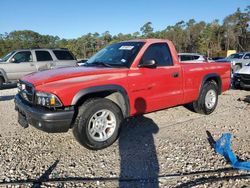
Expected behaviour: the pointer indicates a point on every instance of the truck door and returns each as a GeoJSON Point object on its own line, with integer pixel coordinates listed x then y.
{"type": "Point", "coordinates": [20, 64]}
{"type": "Point", "coordinates": [160, 87]}
{"type": "Point", "coordinates": [44, 60]}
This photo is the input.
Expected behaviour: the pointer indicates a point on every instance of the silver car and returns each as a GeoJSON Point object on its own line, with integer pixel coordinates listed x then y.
{"type": "Point", "coordinates": [239, 60]}
{"type": "Point", "coordinates": [192, 58]}
{"type": "Point", "coordinates": [21, 62]}
{"type": "Point", "coordinates": [241, 78]}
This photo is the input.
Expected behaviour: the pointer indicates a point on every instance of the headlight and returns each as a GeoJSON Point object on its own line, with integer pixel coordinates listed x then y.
{"type": "Point", "coordinates": [47, 99]}
{"type": "Point", "coordinates": [20, 86]}
{"type": "Point", "coordinates": [233, 62]}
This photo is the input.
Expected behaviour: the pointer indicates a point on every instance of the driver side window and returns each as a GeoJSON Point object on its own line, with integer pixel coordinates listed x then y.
{"type": "Point", "coordinates": [24, 56]}
{"type": "Point", "coordinates": [160, 53]}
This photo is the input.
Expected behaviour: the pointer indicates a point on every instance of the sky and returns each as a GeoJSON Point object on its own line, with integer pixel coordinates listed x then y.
{"type": "Point", "coordinates": [74, 18]}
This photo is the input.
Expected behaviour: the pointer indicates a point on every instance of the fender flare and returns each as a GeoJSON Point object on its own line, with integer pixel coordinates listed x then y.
{"type": "Point", "coordinates": [96, 89]}
{"type": "Point", "coordinates": [239, 63]}
{"type": "Point", "coordinates": [213, 76]}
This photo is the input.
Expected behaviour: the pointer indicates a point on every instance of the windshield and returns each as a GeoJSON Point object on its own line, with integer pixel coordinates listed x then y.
{"type": "Point", "coordinates": [116, 55]}
{"type": "Point", "coordinates": [235, 56]}
{"type": "Point", "coordinates": [5, 58]}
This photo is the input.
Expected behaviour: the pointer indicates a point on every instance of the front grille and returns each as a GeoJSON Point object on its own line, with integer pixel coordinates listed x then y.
{"type": "Point", "coordinates": [26, 90]}
{"type": "Point", "coordinates": [245, 76]}
{"type": "Point", "coordinates": [247, 82]}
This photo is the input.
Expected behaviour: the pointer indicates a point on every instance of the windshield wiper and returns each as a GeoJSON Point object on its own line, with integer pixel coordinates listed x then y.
{"type": "Point", "coordinates": [99, 63]}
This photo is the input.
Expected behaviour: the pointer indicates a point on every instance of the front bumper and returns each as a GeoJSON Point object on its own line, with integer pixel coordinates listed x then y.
{"type": "Point", "coordinates": [241, 81]}
{"type": "Point", "coordinates": [41, 118]}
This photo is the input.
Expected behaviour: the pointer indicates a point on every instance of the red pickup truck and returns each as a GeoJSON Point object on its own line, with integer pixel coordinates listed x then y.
{"type": "Point", "coordinates": [122, 80]}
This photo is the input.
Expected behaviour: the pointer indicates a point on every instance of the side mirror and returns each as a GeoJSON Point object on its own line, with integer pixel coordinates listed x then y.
{"type": "Point", "coordinates": [151, 63]}
{"type": "Point", "coordinates": [13, 60]}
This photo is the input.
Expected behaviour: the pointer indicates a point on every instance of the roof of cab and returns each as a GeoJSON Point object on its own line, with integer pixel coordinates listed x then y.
{"type": "Point", "coordinates": [147, 40]}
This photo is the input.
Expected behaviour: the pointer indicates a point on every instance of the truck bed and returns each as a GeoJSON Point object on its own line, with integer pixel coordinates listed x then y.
{"type": "Point", "coordinates": [193, 74]}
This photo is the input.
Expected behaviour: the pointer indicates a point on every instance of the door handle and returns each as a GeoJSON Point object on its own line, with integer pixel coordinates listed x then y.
{"type": "Point", "coordinates": [175, 75]}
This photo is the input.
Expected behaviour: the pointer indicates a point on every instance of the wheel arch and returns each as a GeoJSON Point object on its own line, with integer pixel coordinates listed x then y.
{"type": "Point", "coordinates": [115, 93]}
{"type": "Point", "coordinates": [238, 63]}
{"type": "Point", "coordinates": [3, 75]}
{"type": "Point", "coordinates": [212, 77]}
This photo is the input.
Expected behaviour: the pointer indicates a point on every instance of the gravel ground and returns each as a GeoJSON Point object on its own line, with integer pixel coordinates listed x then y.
{"type": "Point", "coordinates": [168, 148]}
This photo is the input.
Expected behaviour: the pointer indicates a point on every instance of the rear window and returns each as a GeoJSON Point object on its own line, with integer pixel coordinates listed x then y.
{"type": "Point", "coordinates": [63, 55]}
{"type": "Point", "coordinates": [43, 56]}
{"type": "Point", "coordinates": [186, 57]}
{"type": "Point", "coordinates": [195, 57]}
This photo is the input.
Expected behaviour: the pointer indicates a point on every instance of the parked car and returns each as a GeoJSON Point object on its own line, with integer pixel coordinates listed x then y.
{"type": "Point", "coordinates": [122, 80]}
{"type": "Point", "coordinates": [238, 60]}
{"type": "Point", "coordinates": [192, 57]}
{"type": "Point", "coordinates": [217, 58]}
{"type": "Point", "coordinates": [241, 78]}
{"type": "Point", "coordinates": [21, 62]}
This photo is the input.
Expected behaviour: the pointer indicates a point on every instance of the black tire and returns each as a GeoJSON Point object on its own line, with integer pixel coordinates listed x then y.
{"type": "Point", "coordinates": [86, 113]}
{"type": "Point", "coordinates": [236, 86]}
{"type": "Point", "coordinates": [1, 82]}
{"type": "Point", "coordinates": [200, 106]}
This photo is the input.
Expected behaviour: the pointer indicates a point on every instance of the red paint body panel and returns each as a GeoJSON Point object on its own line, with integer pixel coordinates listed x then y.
{"type": "Point", "coordinates": [155, 89]}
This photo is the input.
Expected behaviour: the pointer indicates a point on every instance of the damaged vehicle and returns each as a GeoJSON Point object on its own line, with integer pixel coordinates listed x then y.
{"type": "Point", "coordinates": [241, 78]}
{"type": "Point", "coordinates": [237, 60]}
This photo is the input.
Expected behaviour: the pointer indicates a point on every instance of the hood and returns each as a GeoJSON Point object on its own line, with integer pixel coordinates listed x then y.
{"type": "Point", "coordinates": [244, 70]}
{"type": "Point", "coordinates": [68, 73]}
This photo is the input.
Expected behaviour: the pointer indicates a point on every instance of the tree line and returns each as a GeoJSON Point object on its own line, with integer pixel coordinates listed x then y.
{"type": "Point", "coordinates": [211, 39]}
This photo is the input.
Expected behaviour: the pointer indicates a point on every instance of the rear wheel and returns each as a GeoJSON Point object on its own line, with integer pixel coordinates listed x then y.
{"type": "Point", "coordinates": [98, 123]}
{"type": "Point", "coordinates": [1, 82]}
{"type": "Point", "coordinates": [208, 99]}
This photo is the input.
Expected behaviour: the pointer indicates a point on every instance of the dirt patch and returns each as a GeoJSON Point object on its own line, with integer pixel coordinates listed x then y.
{"type": "Point", "coordinates": [168, 148]}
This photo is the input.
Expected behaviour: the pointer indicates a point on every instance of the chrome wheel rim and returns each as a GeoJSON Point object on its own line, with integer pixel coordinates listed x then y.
{"type": "Point", "coordinates": [102, 125]}
{"type": "Point", "coordinates": [210, 99]}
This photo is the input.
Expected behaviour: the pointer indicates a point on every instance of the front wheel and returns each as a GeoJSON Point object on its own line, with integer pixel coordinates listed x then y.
{"type": "Point", "coordinates": [208, 99]}
{"type": "Point", "coordinates": [98, 123]}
